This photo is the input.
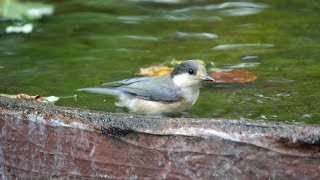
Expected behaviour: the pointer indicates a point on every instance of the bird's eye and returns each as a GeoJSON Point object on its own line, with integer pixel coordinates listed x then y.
{"type": "Point", "coordinates": [191, 71]}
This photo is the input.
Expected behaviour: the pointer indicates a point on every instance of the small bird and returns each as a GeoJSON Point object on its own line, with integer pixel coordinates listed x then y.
{"type": "Point", "coordinates": [166, 94]}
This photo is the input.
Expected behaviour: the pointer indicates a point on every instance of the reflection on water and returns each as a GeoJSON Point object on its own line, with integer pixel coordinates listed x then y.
{"type": "Point", "coordinates": [228, 8]}
{"type": "Point", "coordinates": [86, 43]}
{"type": "Point", "coordinates": [184, 35]}
{"type": "Point", "coordinates": [239, 46]}
{"type": "Point", "coordinates": [146, 38]}
{"type": "Point", "coordinates": [164, 18]}
{"type": "Point", "coordinates": [244, 65]}
{"type": "Point", "coordinates": [161, 1]}
{"type": "Point", "coordinates": [249, 57]}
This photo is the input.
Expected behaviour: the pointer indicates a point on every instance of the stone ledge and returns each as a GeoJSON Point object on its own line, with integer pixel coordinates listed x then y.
{"type": "Point", "coordinates": [40, 140]}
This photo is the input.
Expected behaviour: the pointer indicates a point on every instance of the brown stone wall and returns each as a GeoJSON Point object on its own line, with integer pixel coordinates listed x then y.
{"type": "Point", "coordinates": [40, 141]}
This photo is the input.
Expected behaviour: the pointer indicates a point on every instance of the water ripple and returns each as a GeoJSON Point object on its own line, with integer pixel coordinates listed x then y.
{"type": "Point", "coordinates": [281, 81]}
{"type": "Point", "coordinates": [131, 50]}
{"type": "Point", "coordinates": [244, 65]}
{"type": "Point", "coordinates": [204, 35]}
{"type": "Point", "coordinates": [249, 57]}
{"type": "Point", "coordinates": [133, 19]}
{"type": "Point", "coordinates": [228, 8]}
{"type": "Point", "coordinates": [161, 1]}
{"type": "Point", "coordinates": [243, 11]}
{"type": "Point", "coordinates": [166, 17]}
{"type": "Point", "coordinates": [146, 38]}
{"type": "Point", "coordinates": [239, 46]}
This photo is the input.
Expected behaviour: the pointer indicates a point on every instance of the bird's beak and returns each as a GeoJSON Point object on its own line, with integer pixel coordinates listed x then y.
{"type": "Point", "coordinates": [208, 78]}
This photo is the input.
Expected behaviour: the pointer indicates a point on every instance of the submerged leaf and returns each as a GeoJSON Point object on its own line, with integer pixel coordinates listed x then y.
{"type": "Point", "coordinates": [155, 70]}
{"type": "Point", "coordinates": [234, 76]}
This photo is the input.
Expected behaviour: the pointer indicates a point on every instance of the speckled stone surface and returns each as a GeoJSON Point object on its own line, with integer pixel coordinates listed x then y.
{"type": "Point", "coordinates": [47, 141]}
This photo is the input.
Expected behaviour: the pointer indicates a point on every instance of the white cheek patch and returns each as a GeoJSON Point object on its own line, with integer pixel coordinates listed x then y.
{"type": "Point", "coordinates": [185, 80]}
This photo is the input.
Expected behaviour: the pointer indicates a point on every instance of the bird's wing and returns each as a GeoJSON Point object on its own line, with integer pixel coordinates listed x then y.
{"type": "Point", "coordinates": [111, 88]}
{"type": "Point", "coordinates": [160, 88]}
{"type": "Point", "coordinates": [159, 93]}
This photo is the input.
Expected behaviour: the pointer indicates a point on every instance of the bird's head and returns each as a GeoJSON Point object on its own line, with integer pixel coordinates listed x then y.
{"type": "Point", "coordinates": [189, 73]}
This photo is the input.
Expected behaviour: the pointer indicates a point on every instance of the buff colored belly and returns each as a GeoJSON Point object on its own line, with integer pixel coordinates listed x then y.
{"type": "Point", "coordinates": [151, 107]}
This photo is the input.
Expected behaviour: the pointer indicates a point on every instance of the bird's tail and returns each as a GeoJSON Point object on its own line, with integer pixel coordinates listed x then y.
{"type": "Point", "coordinates": [109, 91]}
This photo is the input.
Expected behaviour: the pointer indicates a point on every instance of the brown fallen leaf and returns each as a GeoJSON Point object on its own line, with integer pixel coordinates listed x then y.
{"type": "Point", "coordinates": [27, 97]}
{"type": "Point", "coordinates": [233, 76]}
{"type": "Point", "coordinates": [38, 98]}
{"type": "Point", "coordinates": [155, 70]}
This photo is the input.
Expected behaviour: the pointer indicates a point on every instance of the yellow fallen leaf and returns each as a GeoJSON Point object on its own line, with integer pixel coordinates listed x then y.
{"type": "Point", "coordinates": [162, 69]}
{"type": "Point", "coordinates": [155, 70]}
{"type": "Point", "coordinates": [176, 62]}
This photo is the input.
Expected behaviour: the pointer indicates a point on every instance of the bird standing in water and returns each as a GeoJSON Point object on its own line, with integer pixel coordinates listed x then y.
{"type": "Point", "coordinates": [166, 94]}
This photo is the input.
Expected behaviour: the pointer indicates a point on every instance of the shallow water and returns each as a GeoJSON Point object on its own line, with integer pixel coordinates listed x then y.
{"type": "Point", "coordinates": [86, 43]}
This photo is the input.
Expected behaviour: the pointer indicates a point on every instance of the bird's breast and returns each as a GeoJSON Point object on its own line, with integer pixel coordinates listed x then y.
{"type": "Point", "coordinates": [190, 95]}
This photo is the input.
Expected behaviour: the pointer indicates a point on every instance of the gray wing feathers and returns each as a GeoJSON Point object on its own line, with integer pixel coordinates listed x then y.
{"type": "Point", "coordinates": [160, 88]}
{"type": "Point", "coordinates": [109, 91]}
{"type": "Point", "coordinates": [154, 93]}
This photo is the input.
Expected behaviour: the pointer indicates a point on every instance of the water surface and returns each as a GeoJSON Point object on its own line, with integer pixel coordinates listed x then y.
{"type": "Point", "coordinates": [86, 43]}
